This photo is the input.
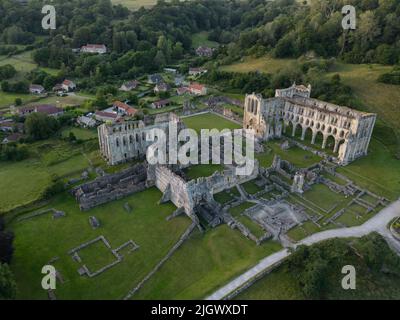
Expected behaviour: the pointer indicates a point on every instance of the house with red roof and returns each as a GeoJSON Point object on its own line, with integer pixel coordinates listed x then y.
{"type": "Point", "coordinates": [198, 89]}
{"type": "Point", "coordinates": [124, 109]}
{"type": "Point", "coordinates": [68, 85]}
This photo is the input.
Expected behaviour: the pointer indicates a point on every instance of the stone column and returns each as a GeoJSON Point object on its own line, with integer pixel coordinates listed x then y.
{"type": "Point", "coordinates": [325, 137]}
{"type": "Point", "coordinates": [294, 129]}
{"type": "Point", "coordinates": [335, 149]}
{"type": "Point", "coordinates": [303, 133]}
{"type": "Point", "coordinates": [314, 135]}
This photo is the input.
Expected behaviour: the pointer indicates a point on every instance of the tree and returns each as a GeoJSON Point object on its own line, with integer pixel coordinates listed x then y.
{"type": "Point", "coordinates": [6, 240]}
{"type": "Point", "coordinates": [18, 101]}
{"type": "Point", "coordinates": [159, 59]}
{"type": "Point", "coordinates": [40, 126]}
{"type": "Point", "coordinates": [8, 286]}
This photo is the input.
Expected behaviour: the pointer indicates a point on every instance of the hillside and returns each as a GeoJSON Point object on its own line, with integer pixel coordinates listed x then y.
{"type": "Point", "coordinates": [315, 272]}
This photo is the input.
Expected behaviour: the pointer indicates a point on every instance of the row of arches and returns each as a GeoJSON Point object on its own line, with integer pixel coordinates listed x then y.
{"type": "Point", "coordinates": [330, 129]}
{"type": "Point", "coordinates": [316, 137]}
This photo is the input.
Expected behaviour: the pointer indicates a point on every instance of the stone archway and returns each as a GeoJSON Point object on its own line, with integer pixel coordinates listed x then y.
{"type": "Point", "coordinates": [319, 138]}
{"type": "Point", "coordinates": [330, 143]}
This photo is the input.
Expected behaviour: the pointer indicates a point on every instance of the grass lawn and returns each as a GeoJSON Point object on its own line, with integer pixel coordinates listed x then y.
{"type": "Point", "coordinates": [205, 263]}
{"type": "Point", "coordinates": [24, 182]}
{"type": "Point", "coordinates": [297, 156]}
{"type": "Point", "coordinates": [96, 256]}
{"type": "Point", "coordinates": [323, 197]}
{"type": "Point", "coordinates": [209, 121]}
{"type": "Point", "coordinates": [279, 284]}
{"type": "Point", "coordinates": [378, 97]}
{"type": "Point", "coordinates": [236, 211]}
{"type": "Point", "coordinates": [42, 238]}
{"type": "Point", "coordinates": [254, 228]}
{"type": "Point", "coordinates": [251, 187]}
{"type": "Point", "coordinates": [300, 232]}
{"type": "Point", "coordinates": [379, 171]}
{"type": "Point", "coordinates": [8, 98]}
{"type": "Point", "coordinates": [80, 133]}
{"type": "Point", "coordinates": [21, 183]}
{"type": "Point", "coordinates": [222, 197]}
{"type": "Point", "coordinates": [62, 102]}
{"type": "Point", "coordinates": [201, 39]}
{"type": "Point", "coordinates": [202, 170]}
{"type": "Point", "coordinates": [136, 4]}
{"type": "Point", "coordinates": [264, 64]}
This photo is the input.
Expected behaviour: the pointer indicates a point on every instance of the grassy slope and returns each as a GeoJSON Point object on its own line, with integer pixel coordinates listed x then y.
{"type": "Point", "coordinates": [135, 4]}
{"type": "Point", "coordinates": [201, 39]}
{"type": "Point", "coordinates": [281, 284]}
{"type": "Point", "coordinates": [23, 182]}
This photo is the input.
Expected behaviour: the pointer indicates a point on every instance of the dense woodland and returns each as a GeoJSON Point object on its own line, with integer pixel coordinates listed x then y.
{"type": "Point", "coordinates": [145, 40]}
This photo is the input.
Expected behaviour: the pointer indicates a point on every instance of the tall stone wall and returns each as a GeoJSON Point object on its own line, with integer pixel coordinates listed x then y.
{"type": "Point", "coordinates": [293, 112]}
{"type": "Point", "coordinates": [124, 141]}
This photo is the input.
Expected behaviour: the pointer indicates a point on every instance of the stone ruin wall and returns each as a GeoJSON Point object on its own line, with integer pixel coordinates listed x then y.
{"type": "Point", "coordinates": [189, 194]}
{"type": "Point", "coordinates": [125, 141]}
{"type": "Point", "coordinates": [292, 108]}
{"type": "Point", "coordinates": [111, 187]}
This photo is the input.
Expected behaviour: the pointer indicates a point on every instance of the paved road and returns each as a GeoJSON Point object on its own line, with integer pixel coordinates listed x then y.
{"type": "Point", "coordinates": [377, 223]}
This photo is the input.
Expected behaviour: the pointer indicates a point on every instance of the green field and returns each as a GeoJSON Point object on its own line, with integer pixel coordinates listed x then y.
{"type": "Point", "coordinates": [25, 181]}
{"type": "Point", "coordinates": [297, 156]}
{"type": "Point", "coordinates": [202, 170]}
{"type": "Point", "coordinates": [379, 171]}
{"type": "Point", "coordinates": [205, 263]}
{"type": "Point", "coordinates": [80, 133]}
{"type": "Point", "coordinates": [8, 98]}
{"type": "Point", "coordinates": [62, 102]}
{"type": "Point", "coordinates": [264, 64]}
{"type": "Point", "coordinates": [48, 238]}
{"type": "Point", "coordinates": [135, 4]}
{"type": "Point", "coordinates": [201, 39]}
{"type": "Point", "coordinates": [209, 121]}
{"type": "Point", "coordinates": [21, 183]}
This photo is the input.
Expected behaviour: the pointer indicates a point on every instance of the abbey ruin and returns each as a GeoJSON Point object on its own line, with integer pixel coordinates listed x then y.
{"type": "Point", "coordinates": [293, 112]}
{"type": "Point", "coordinates": [125, 141]}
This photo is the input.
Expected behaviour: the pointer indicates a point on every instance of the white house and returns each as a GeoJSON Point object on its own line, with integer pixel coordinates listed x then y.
{"type": "Point", "coordinates": [94, 48]}
{"type": "Point", "coordinates": [68, 85]}
{"type": "Point", "coordinates": [36, 89]}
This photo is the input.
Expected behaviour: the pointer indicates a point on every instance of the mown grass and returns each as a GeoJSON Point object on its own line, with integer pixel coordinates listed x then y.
{"type": "Point", "coordinates": [21, 183]}
{"type": "Point", "coordinates": [24, 182]}
{"type": "Point", "coordinates": [205, 263]}
{"type": "Point", "coordinates": [209, 121]}
{"type": "Point", "coordinates": [202, 170]}
{"type": "Point", "coordinates": [379, 171]}
{"type": "Point", "coordinates": [40, 239]}
{"type": "Point", "coordinates": [201, 39]}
